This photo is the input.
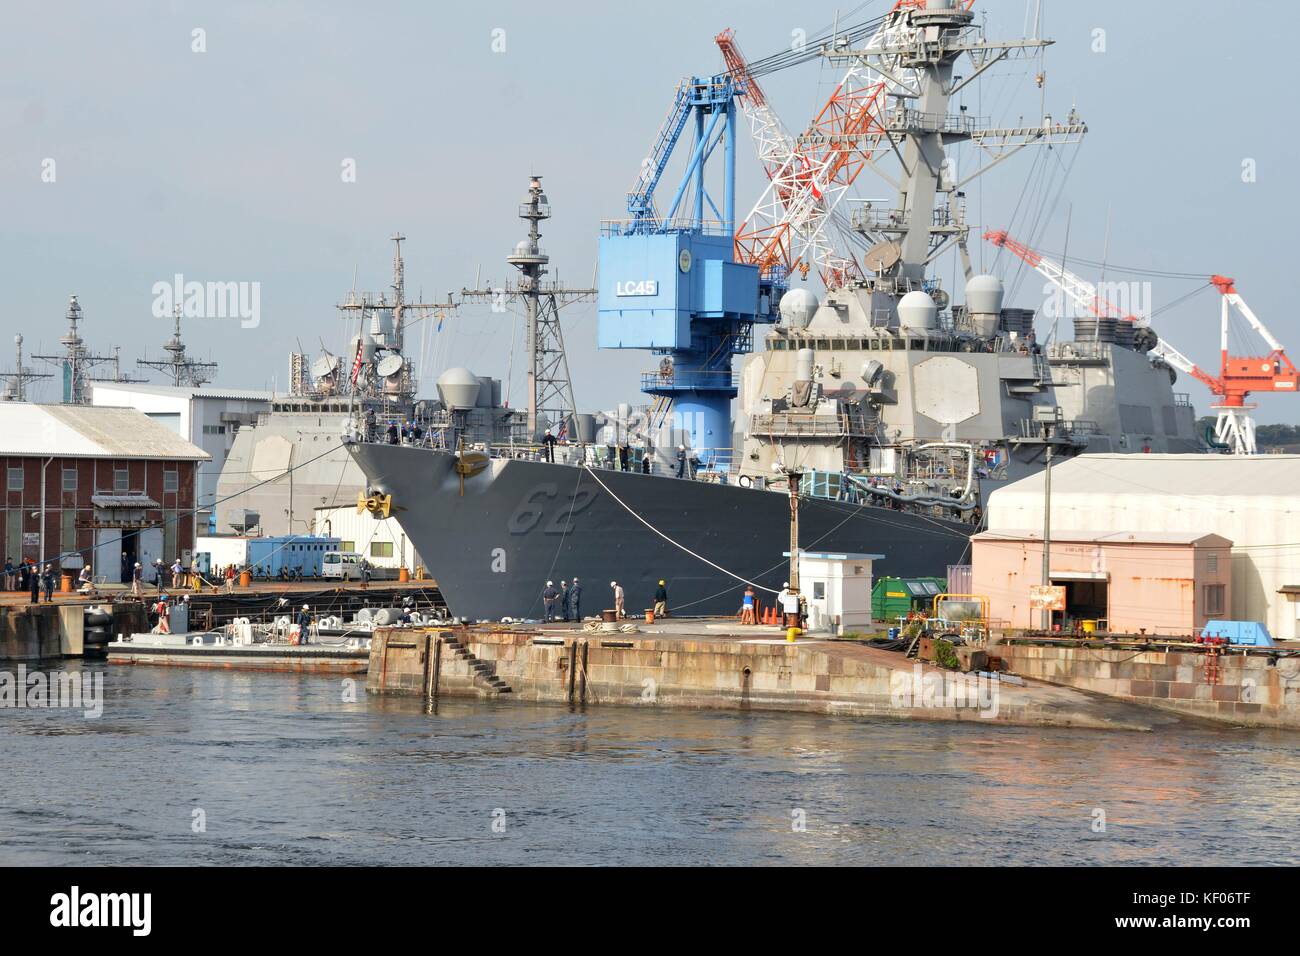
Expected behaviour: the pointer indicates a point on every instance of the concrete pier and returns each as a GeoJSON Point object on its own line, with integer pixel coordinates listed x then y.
{"type": "Point", "coordinates": [703, 665]}
{"type": "Point", "coordinates": [1235, 685]}
{"type": "Point", "coordinates": [44, 632]}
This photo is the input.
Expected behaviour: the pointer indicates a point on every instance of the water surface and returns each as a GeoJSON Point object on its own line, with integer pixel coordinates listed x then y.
{"type": "Point", "coordinates": [286, 771]}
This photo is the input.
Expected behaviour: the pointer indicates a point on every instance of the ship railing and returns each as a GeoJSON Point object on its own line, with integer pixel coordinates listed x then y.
{"type": "Point", "coordinates": [630, 227]}
{"type": "Point", "coordinates": [673, 379]}
{"type": "Point", "coordinates": [1078, 430]}
{"type": "Point", "coordinates": [794, 425]}
{"type": "Point", "coordinates": [1078, 351]}
{"type": "Point", "coordinates": [902, 119]}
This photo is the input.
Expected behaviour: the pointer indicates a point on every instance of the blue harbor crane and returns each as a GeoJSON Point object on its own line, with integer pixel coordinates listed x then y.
{"type": "Point", "coordinates": [669, 280]}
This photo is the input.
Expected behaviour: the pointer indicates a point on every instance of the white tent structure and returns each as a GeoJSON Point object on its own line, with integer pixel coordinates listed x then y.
{"type": "Point", "coordinates": [1252, 501]}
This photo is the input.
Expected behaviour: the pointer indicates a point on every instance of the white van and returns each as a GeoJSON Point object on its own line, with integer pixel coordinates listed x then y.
{"type": "Point", "coordinates": [345, 565]}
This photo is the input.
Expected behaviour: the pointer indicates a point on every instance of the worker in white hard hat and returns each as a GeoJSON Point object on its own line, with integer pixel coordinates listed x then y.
{"type": "Point", "coordinates": [136, 572]}
{"type": "Point", "coordinates": [575, 601]}
{"type": "Point", "coordinates": [304, 624]}
{"type": "Point", "coordinates": [789, 599]}
{"type": "Point", "coordinates": [618, 599]}
{"type": "Point", "coordinates": [681, 461]}
{"type": "Point", "coordinates": [549, 597]}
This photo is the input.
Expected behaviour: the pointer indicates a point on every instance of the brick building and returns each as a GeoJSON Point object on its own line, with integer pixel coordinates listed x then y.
{"type": "Point", "coordinates": [112, 486]}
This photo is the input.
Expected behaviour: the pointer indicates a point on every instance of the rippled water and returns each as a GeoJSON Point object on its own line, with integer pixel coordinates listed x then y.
{"type": "Point", "coordinates": [286, 772]}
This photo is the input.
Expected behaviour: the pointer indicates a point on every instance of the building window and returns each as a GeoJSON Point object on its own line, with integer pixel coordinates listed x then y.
{"type": "Point", "coordinates": [346, 546]}
{"type": "Point", "coordinates": [1213, 599]}
{"type": "Point", "coordinates": [68, 531]}
{"type": "Point", "coordinates": [171, 480]}
{"type": "Point", "coordinates": [69, 479]}
{"type": "Point", "coordinates": [1212, 562]}
{"type": "Point", "coordinates": [14, 534]}
{"type": "Point", "coordinates": [819, 591]}
{"type": "Point", "coordinates": [170, 549]}
{"type": "Point", "coordinates": [214, 429]}
{"type": "Point", "coordinates": [16, 478]}
{"type": "Point", "coordinates": [121, 479]}
{"type": "Point", "coordinates": [381, 549]}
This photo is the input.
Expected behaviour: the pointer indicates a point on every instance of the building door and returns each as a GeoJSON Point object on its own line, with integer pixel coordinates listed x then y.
{"type": "Point", "coordinates": [1084, 601]}
{"type": "Point", "coordinates": [149, 547]}
{"type": "Point", "coordinates": [110, 561]}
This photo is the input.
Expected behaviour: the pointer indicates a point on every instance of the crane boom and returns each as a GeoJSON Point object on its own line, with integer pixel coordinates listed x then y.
{"type": "Point", "coordinates": [1238, 375]}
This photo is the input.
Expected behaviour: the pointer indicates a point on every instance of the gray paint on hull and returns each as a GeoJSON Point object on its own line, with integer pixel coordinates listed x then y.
{"type": "Point", "coordinates": [522, 523]}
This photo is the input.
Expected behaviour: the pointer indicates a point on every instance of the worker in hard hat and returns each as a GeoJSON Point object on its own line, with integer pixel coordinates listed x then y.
{"type": "Point", "coordinates": [304, 623]}
{"type": "Point", "coordinates": [661, 600]}
{"type": "Point", "coordinates": [548, 446]}
{"type": "Point", "coordinates": [164, 616]}
{"type": "Point", "coordinates": [564, 600]}
{"type": "Point", "coordinates": [790, 605]}
{"type": "Point", "coordinates": [681, 461]}
{"type": "Point", "coordinates": [549, 595]}
{"type": "Point", "coordinates": [575, 601]}
{"type": "Point", "coordinates": [618, 599]}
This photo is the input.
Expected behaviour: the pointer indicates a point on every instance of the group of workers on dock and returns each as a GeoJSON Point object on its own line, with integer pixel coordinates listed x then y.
{"type": "Point", "coordinates": [565, 602]}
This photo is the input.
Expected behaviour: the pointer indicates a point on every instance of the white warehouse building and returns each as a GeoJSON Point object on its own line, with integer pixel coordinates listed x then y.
{"type": "Point", "coordinates": [1253, 501]}
{"type": "Point", "coordinates": [206, 416]}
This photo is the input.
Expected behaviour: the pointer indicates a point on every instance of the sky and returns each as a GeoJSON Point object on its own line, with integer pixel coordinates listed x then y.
{"type": "Point", "coordinates": [128, 155]}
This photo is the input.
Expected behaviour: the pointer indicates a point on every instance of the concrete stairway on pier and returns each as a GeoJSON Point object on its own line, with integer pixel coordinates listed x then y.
{"type": "Point", "coordinates": [483, 673]}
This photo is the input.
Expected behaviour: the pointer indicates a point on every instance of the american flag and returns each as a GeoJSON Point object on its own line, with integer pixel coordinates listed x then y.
{"type": "Point", "coordinates": [356, 364]}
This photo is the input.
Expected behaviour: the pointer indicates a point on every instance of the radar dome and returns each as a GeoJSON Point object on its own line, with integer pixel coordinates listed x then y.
{"type": "Point", "coordinates": [916, 310]}
{"type": "Point", "coordinates": [984, 295]}
{"type": "Point", "coordinates": [458, 388]}
{"type": "Point", "coordinates": [797, 307]}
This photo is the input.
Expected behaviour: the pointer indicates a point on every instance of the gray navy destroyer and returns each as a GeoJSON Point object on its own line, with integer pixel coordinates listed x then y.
{"type": "Point", "coordinates": [890, 410]}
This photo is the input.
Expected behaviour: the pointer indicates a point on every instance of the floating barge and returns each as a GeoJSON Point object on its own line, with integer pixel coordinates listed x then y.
{"type": "Point", "coordinates": [180, 650]}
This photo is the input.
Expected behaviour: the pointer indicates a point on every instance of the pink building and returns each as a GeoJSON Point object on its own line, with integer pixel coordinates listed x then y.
{"type": "Point", "coordinates": [1158, 582]}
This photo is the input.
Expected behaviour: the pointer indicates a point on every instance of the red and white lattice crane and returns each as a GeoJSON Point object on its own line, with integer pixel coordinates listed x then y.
{"type": "Point", "coordinates": [1239, 375]}
{"type": "Point", "coordinates": [790, 227]}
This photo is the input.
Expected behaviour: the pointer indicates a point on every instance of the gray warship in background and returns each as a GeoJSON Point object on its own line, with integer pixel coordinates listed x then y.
{"type": "Point", "coordinates": [894, 412]}
{"type": "Point", "coordinates": [289, 460]}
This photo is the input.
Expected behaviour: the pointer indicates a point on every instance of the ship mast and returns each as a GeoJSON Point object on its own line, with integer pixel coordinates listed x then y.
{"type": "Point", "coordinates": [550, 389]}
{"type": "Point", "coordinates": [370, 382]}
{"type": "Point", "coordinates": [182, 369]}
{"type": "Point", "coordinates": [76, 360]}
{"type": "Point", "coordinates": [17, 380]}
{"type": "Point", "coordinates": [919, 59]}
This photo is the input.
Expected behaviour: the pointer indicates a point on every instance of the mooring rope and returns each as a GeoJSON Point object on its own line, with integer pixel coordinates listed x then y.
{"type": "Point", "coordinates": [675, 544]}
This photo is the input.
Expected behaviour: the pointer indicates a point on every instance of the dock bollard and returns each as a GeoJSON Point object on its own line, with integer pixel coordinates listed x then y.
{"type": "Point", "coordinates": [792, 634]}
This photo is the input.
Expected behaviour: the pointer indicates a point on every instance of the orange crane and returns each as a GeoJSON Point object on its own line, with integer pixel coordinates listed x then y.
{"type": "Point", "coordinates": [1239, 375]}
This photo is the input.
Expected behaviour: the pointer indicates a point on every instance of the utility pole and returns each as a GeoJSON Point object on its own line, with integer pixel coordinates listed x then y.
{"type": "Point", "coordinates": [550, 389]}
{"type": "Point", "coordinates": [792, 477]}
{"type": "Point", "coordinates": [1049, 428]}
